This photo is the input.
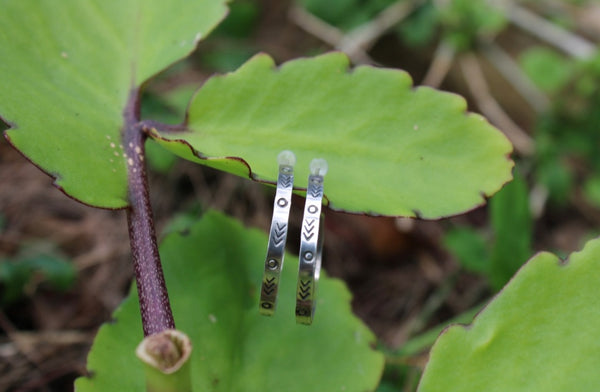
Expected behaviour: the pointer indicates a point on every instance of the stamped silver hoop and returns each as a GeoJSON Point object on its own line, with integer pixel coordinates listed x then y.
{"type": "Point", "coordinates": [311, 244]}
{"type": "Point", "coordinates": [278, 233]}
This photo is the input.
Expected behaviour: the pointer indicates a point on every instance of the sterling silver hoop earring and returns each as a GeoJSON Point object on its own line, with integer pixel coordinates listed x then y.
{"type": "Point", "coordinates": [311, 244]}
{"type": "Point", "coordinates": [278, 233]}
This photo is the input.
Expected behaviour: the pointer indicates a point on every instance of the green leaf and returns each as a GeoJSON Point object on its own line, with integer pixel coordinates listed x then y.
{"type": "Point", "coordinates": [214, 272]}
{"type": "Point", "coordinates": [591, 190]}
{"type": "Point", "coordinates": [466, 21]}
{"type": "Point", "coordinates": [539, 334]}
{"type": "Point", "coordinates": [346, 14]}
{"type": "Point", "coordinates": [546, 68]}
{"type": "Point", "coordinates": [226, 57]}
{"type": "Point", "coordinates": [469, 247]}
{"type": "Point", "coordinates": [392, 150]}
{"type": "Point", "coordinates": [419, 28]}
{"type": "Point", "coordinates": [243, 17]}
{"type": "Point", "coordinates": [512, 222]}
{"type": "Point", "coordinates": [16, 274]}
{"type": "Point", "coordinates": [13, 277]}
{"type": "Point", "coordinates": [60, 273]}
{"type": "Point", "coordinates": [68, 68]}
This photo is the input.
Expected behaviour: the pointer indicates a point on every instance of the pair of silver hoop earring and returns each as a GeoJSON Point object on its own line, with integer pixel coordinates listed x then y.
{"type": "Point", "coordinates": [311, 239]}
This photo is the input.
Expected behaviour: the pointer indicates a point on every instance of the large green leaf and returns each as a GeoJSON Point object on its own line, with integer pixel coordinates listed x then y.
{"type": "Point", "coordinates": [391, 149]}
{"type": "Point", "coordinates": [213, 271]}
{"type": "Point", "coordinates": [66, 73]}
{"type": "Point", "coordinates": [539, 334]}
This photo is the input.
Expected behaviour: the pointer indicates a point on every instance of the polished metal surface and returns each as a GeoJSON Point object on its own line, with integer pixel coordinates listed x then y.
{"type": "Point", "coordinates": [277, 234]}
{"type": "Point", "coordinates": [311, 245]}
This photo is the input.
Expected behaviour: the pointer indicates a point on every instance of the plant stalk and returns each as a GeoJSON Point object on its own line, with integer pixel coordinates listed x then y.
{"type": "Point", "coordinates": [152, 291]}
{"type": "Point", "coordinates": [166, 359]}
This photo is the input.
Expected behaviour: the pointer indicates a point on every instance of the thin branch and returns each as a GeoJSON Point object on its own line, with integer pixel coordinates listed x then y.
{"type": "Point", "coordinates": [570, 43]}
{"type": "Point", "coordinates": [440, 66]}
{"type": "Point", "coordinates": [491, 108]}
{"type": "Point", "coordinates": [325, 32]}
{"type": "Point", "coordinates": [315, 26]}
{"type": "Point", "coordinates": [515, 76]}
{"type": "Point", "coordinates": [357, 42]}
{"type": "Point", "coordinates": [362, 38]}
{"type": "Point", "coordinates": [152, 291]}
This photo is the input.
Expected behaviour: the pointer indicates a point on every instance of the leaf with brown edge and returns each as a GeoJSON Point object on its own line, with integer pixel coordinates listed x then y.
{"type": "Point", "coordinates": [67, 71]}
{"type": "Point", "coordinates": [540, 333]}
{"type": "Point", "coordinates": [392, 149]}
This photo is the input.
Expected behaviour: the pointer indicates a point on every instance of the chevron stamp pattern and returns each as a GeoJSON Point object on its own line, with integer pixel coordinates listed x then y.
{"type": "Point", "coordinates": [278, 233]}
{"type": "Point", "coordinates": [311, 244]}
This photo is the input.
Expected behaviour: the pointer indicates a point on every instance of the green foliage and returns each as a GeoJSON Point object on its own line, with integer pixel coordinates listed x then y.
{"type": "Point", "coordinates": [34, 264]}
{"type": "Point", "coordinates": [227, 57]}
{"type": "Point", "coordinates": [591, 190]}
{"type": "Point", "coordinates": [231, 48]}
{"type": "Point", "coordinates": [470, 249]}
{"type": "Point", "coordinates": [87, 57]}
{"type": "Point", "coordinates": [394, 147]}
{"type": "Point", "coordinates": [570, 132]}
{"type": "Point", "coordinates": [346, 14]}
{"type": "Point", "coordinates": [408, 158]}
{"type": "Point", "coordinates": [538, 334]}
{"type": "Point", "coordinates": [546, 68]}
{"type": "Point", "coordinates": [551, 169]}
{"type": "Point", "coordinates": [213, 287]}
{"type": "Point", "coordinates": [419, 28]}
{"type": "Point", "coordinates": [511, 222]}
{"type": "Point", "coordinates": [241, 19]}
{"type": "Point", "coordinates": [466, 21]}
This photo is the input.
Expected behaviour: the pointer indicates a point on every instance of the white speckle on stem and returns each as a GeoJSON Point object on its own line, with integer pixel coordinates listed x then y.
{"type": "Point", "coordinates": [416, 127]}
{"type": "Point", "coordinates": [212, 318]}
{"type": "Point", "coordinates": [64, 55]}
{"type": "Point", "coordinates": [130, 162]}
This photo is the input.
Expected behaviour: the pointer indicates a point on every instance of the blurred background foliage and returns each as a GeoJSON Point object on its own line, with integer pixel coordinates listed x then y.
{"type": "Point", "coordinates": [531, 67]}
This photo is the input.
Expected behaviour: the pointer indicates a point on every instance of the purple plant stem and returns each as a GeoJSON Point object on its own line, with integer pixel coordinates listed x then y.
{"type": "Point", "coordinates": [152, 290]}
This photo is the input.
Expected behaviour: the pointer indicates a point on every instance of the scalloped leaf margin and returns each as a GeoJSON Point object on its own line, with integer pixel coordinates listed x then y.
{"type": "Point", "coordinates": [392, 149]}
{"type": "Point", "coordinates": [540, 333]}
{"type": "Point", "coordinates": [214, 270]}
{"type": "Point", "coordinates": [67, 71]}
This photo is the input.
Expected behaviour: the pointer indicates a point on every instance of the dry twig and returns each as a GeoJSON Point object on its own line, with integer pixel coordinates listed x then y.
{"type": "Point", "coordinates": [491, 108]}
{"type": "Point", "coordinates": [513, 74]}
{"type": "Point", "coordinates": [357, 42]}
{"type": "Point", "coordinates": [440, 65]}
{"type": "Point", "coordinates": [570, 43]}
